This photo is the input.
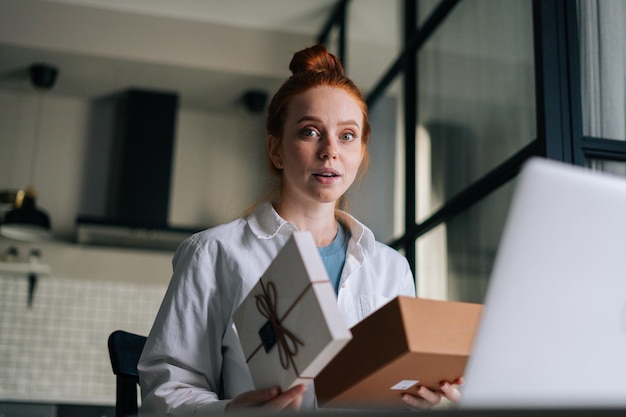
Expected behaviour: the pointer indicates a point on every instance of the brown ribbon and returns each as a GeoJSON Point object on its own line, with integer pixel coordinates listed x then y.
{"type": "Point", "coordinates": [286, 340]}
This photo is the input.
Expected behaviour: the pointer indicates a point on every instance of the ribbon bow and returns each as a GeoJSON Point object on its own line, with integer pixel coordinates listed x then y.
{"type": "Point", "coordinates": [286, 340]}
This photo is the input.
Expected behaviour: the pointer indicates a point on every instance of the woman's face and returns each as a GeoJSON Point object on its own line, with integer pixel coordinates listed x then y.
{"type": "Point", "coordinates": [321, 148]}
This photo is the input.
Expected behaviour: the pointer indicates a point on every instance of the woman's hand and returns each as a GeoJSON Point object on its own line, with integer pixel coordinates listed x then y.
{"type": "Point", "coordinates": [269, 399]}
{"type": "Point", "coordinates": [425, 398]}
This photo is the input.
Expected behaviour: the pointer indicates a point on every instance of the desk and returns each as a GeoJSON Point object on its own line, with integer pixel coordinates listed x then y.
{"type": "Point", "coordinates": [455, 413]}
{"type": "Point", "coordinates": [24, 409]}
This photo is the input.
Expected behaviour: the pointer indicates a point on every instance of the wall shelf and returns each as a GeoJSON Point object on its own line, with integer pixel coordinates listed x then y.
{"type": "Point", "coordinates": [25, 268]}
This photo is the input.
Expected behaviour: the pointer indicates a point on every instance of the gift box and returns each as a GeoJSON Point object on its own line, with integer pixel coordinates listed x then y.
{"type": "Point", "coordinates": [289, 324]}
{"type": "Point", "coordinates": [406, 343]}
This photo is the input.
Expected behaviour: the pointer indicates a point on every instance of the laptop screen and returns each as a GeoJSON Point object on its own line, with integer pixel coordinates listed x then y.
{"type": "Point", "coordinates": [553, 330]}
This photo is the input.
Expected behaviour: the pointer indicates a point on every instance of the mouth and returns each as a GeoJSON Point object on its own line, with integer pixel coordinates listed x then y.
{"type": "Point", "coordinates": [326, 176]}
{"type": "Point", "coordinates": [326, 173]}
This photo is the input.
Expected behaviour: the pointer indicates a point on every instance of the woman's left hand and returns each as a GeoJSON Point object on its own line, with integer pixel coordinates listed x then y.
{"type": "Point", "coordinates": [425, 398]}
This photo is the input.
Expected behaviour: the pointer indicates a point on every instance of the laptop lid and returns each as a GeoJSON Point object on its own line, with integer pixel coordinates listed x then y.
{"type": "Point", "coordinates": [553, 330]}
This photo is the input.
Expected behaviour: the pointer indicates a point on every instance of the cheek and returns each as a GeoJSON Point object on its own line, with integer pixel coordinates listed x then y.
{"type": "Point", "coordinates": [351, 167]}
{"type": "Point", "coordinates": [355, 159]}
{"type": "Point", "coordinates": [297, 154]}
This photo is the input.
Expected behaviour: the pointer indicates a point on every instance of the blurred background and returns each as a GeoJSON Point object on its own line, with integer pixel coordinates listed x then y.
{"type": "Point", "coordinates": [188, 82]}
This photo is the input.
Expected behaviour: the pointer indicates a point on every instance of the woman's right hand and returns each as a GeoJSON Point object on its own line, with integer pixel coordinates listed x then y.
{"type": "Point", "coordinates": [268, 399]}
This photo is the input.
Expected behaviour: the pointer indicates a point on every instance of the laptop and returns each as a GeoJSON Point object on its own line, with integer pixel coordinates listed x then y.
{"type": "Point", "coordinates": [553, 330]}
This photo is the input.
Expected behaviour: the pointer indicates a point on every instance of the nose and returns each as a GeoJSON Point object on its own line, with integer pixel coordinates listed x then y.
{"type": "Point", "coordinates": [328, 149]}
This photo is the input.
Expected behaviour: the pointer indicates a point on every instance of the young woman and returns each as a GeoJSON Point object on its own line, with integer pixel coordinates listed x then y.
{"type": "Point", "coordinates": [318, 129]}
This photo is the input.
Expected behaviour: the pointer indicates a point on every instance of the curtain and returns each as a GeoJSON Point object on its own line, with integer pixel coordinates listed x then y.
{"type": "Point", "coordinates": [603, 58]}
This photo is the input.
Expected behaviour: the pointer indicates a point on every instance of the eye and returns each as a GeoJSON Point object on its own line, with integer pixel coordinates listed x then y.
{"type": "Point", "coordinates": [309, 132]}
{"type": "Point", "coordinates": [347, 136]}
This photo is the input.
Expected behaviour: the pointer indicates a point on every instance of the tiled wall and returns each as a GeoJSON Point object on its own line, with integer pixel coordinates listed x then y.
{"type": "Point", "coordinates": [56, 350]}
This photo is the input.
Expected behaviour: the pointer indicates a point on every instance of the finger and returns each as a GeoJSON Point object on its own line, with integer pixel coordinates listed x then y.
{"type": "Point", "coordinates": [450, 392]}
{"type": "Point", "coordinates": [262, 396]}
{"type": "Point", "coordinates": [291, 397]}
{"type": "Point", "coordinates": [254, 398]}
{"type": "Point", "coordinates": [415, 402]}
{"type": "Point", "coordinates": [433, 398]}
{"type": "Point", "coordinates": [423, 399]}
{"type": "Point", "coordinates": [287, 400]}
{"type": "Point", "coordinates": [296, 404]}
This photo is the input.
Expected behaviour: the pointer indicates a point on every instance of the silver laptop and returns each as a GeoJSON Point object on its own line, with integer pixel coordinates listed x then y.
{"type": "Point", "coordinates": [553, 330]}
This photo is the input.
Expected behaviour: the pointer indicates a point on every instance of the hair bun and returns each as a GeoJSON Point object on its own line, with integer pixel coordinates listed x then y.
{"type": "Point", "coordinates": [315, 59]}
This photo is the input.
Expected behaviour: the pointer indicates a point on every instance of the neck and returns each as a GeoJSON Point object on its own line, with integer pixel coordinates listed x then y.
{"type": "Point", "coordinates": [319, 220]}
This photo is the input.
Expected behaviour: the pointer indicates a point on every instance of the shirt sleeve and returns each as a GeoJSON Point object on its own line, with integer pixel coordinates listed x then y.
{"type": "Point", "coordinates": [406, 283]}
{"type": "Point", "coordinates": [182, 363]}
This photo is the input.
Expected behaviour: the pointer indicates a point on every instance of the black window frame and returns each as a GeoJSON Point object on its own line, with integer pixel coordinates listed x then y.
{"type": "Point", "coordinates": [558, 103]}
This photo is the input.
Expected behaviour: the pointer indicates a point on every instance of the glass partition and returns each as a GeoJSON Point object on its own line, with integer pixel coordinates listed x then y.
{"type": "Point", "coordinates": [454, 260]}
{"type": "Point", "coordinates": [476, 109]}
{"type": "Point", "coordinates": [602, 35]}
{"type": "Point", "coordinates": [605, 165]}
{"type": "Point", "coordinates": [476, 96]}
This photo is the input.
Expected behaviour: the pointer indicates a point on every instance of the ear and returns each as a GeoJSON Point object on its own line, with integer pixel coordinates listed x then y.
{"type": "Point", "coordinates": [274, 151]}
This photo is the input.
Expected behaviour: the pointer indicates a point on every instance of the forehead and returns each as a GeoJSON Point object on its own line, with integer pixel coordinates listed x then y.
{"type": "Point", "coordinates": [329, 104]}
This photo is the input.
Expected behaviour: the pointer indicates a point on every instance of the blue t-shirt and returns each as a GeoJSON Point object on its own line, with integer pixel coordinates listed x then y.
{"type": "Point", "coordinates": [334, 256]}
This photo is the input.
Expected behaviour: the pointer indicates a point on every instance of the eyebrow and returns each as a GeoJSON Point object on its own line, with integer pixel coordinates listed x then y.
{"type": "Point", "coordinates": [342, 123]}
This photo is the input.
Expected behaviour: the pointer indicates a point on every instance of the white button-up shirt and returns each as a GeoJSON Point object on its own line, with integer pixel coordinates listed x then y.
{"type": "Point", "coordinates": [193, 363]}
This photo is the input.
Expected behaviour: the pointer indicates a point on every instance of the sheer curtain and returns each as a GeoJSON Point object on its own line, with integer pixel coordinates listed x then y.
{"type": "Point", "coordinates": [603, 57]}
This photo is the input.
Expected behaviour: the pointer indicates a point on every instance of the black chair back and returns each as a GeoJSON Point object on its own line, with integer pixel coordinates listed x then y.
{"type": "Point", "coordinates": [124, 350]}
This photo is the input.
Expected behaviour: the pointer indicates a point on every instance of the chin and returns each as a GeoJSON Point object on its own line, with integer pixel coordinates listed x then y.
{"type": "Point", "coordinates": [326, 196]}
{"type": "Point", "coordinates": [328, 200]}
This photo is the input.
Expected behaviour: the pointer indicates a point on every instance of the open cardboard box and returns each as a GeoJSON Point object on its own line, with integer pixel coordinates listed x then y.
{"type": "Point", "coordinates": [406, 343]}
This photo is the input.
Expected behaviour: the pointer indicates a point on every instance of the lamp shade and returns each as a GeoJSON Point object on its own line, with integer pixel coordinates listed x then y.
{"type": "Point", "coordinates": [26, 221]}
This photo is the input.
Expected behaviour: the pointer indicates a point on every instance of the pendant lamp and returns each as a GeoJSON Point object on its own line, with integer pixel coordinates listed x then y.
{"type": "Point", "coordinates": [26, 221]}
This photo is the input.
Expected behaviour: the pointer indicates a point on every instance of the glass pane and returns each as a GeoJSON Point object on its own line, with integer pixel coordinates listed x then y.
{"type": "Point", "coordinates": [376, 199]}
{"type": "Point", "coordinates": [372, 45]}
{"type": "Point", "coordinates": [454, 260]}
{"type": "Point", "coordinates": [476, 101]}
{"type": "Point", "coordinates": [602, 37]}
{"type": "Point", "coordinates": [425, 9]}
{"type": "Point", "coordinates": [605, 165]}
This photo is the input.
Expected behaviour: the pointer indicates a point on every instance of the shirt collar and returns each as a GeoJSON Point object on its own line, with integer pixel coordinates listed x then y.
{"type": "Point", "coordinates": [360, 233]}
{"type": "Point", "coordinates": [265, 223]}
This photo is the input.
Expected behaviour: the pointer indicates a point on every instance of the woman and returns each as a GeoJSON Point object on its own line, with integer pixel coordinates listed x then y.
{"type": "Point", "coordinates": [318, 130]}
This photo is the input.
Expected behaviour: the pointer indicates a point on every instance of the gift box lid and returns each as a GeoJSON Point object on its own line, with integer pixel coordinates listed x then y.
{"type": "Point", "coordinates": [289, 324]}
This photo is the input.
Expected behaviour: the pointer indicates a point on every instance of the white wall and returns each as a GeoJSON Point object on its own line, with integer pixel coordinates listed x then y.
{"type": "Point", "coordinates": [219, 167]}
{"type": "Point", "coordinates": [218, 161]}
{"type": "Point", "coordinates": [55, 351]}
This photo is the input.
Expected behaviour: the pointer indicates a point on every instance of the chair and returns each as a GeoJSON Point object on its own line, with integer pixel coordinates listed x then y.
{"type": "Point", "coordinates": [124, 350]}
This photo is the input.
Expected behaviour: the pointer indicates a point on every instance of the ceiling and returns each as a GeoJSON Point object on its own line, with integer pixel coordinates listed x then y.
{"type": "Point", "coordinates": [370, 20]}
{"type": "Point", "coordinates": [95, 75]}
{"type": "Point", "coordinates": [298, 16]}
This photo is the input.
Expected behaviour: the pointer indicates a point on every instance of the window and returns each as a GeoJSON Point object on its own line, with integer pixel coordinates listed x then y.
{"type": "Point", "coordinates": [602, 40]}
{"type": "Point", "coordinates": [494, 84]}
{"type": "Point", "coordinates": [476, 108]}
